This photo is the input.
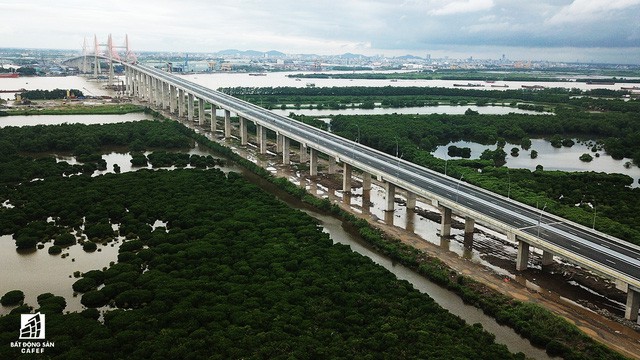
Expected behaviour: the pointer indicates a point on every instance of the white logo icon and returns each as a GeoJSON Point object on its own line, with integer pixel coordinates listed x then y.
{"type": "Point", "coordinates": [32, 326]}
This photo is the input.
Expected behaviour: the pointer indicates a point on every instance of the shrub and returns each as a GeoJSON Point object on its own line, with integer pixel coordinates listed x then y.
{"type": "Point", "coordinates": [11, 298]}
{"type": "Point", "coordinates": [83, 285]}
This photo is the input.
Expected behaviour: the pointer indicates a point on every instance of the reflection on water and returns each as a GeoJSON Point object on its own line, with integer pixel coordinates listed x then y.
{"type": "Point", "coordinates": [564, 158]}
{"type": "Point", "coordinates": [418, 110]}
{"type": "Point", "coordinates": [36, 272]}
{"type": "Point", "coordinates": [31, 120]}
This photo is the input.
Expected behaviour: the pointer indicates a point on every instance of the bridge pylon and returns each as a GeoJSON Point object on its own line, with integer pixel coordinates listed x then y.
{"type": "Point", "coordinates": [111, 52]}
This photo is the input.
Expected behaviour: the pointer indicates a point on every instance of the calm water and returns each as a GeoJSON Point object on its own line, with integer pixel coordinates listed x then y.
{"type": "Point", "coordinates": [564, 158]}
{"type": "Point", "coordinates": [89, 88]}
{"type": "Point", "coordinates": [423, 110]}
{"type": "Point", "coordinates": [218, 80]}
{"type": "Point", "coordinates": [30, 120]}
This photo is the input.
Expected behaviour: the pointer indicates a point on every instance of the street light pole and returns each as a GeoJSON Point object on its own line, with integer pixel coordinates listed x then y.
{"type": "Point", "coordinates": [540, 218]}
{"type": "Point", "coordinates": [593, 226]}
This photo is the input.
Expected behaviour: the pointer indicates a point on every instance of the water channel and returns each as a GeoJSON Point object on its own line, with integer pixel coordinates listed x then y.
{"type": "Point", "coordinates": [37, 272]}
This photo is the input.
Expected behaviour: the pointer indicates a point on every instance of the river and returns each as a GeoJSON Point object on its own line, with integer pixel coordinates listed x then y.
{"type": "Point", "coordinates": [36, 272]}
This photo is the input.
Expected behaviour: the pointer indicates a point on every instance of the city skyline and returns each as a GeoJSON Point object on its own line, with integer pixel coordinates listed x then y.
{"type": "Point", "coordinates": [568, 31]}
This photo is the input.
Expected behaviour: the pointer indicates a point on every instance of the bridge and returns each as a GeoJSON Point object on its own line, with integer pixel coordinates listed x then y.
{"type": "Point", "coordinates": [613, 258]}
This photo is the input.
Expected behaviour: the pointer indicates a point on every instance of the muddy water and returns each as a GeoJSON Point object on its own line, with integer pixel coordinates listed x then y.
{"type": "Point", "coordinates": [36, 272]}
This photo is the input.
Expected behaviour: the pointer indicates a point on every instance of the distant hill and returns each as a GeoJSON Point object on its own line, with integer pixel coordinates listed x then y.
{"type": "Point", "coordinates": [250, 53]}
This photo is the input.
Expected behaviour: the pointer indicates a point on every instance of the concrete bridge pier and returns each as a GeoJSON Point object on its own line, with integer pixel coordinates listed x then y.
{"type": "Point", "coordinates": [172, 99]}
{"type": "Point", "coordinates": [332, 165]}
{"type": "Point", "coordinates": [411, 200]}
{"type": "Point", "coordinates": [213, 119]}
{"type": "Point", "coordinates": [346, 178]}
{"type": "Point", "coordinates": [366, 182]}
{"type": "Point", "coordinates": [366, 200]}
{"type": "Point", "coordinates": [140, 85]}
{"type": "Point", "coordinates": [227, 124]}
{"type": "Point", "coordinates": [313, 162]}
{"type": "Point", "coordinates": [469, 224]}
{"type": "Point", "coordinates": [200, 112]}
{"type": "Point", "coordinates": [142, 81]}
{"type": "Point", "coordinates": [279, 141]}
{"type": "Point", "coordinates": [157, 92]}
{"type": "Point", "coordinates": [147, 88]}
{"type": "Point", "coordinates": [152, 91]}
{"type": "Point", "coordinates": [522, 259]}
{"type": "Point", "coordinates": [411, 220]}
{"type": "Point", "coordinates": [547, 258]}
{"type": "Point", "coordinates": [445, 221]}
{"type": "Point", "coordinates": [285, 151]}
{"type": "Point", "coordinates": [633, 304]}
{"type": "Point", "coordinates": [390, 189]}
{"type": "Point", "coordinates": [261, 138]}
{"type": "Point", "coordinates": [243, 131]}
{"type": "Point", "coordinates": [190, 107]}
{"type": "Point", "coordinates": [303, 153]}
{"type": "Point", "coordinates": [163, 95]}
{"type": "Point", "coordinates": [180, 103]}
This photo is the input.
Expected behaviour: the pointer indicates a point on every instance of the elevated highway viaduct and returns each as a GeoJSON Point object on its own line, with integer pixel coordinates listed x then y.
{"type": "Point", "coordinates": [530, 227]}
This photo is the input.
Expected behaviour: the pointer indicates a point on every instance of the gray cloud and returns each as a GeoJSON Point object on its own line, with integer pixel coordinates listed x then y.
{"type": "Point", "coordinates": [560, 28]}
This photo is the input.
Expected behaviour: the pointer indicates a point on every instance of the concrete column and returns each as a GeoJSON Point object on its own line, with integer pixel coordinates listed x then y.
{"type": "Point", "coordinates": [148, 88]}
{"type": "Point", "coordinates": [190, 107]}
{"type": "Point", "coordinates": [547, 257]}
{"type": "Point", "coordinates": [142, 78]}
{"type": "Point", "coordinates": [346, 178]}
{"type": "Point", "coordinates": [131, 83]}
{"type": "Point", "coordinates": [445, 222]}
{"type": "Point", "coordinates": [633, 304]}
{"type": "Point", "coordinates": [180, 102]}
{"type": "Point", "coordinates": [469, 224]}
{"type": "Point", "coordinates": [243, 131]}
{"type": "Point", "coordinates": [332, 165]}
{"type": "Point", "coordinates": [366, 181]}
{"type": "Point", "coordinates": [163, 95]}
{"type": "Point", "coordinates": [366, 201]}
{"type": "Point", "coordinates": [227, 124]}
{"type": "Point", "coordinates": [313, 162]}
{"type": "Point", "coordinates": [523, 255]}
{"type": "Point", "coordinates": [391, 195]}
{"type": "Point", "coordinates": [411, 220]}
{"type": "Point", "coordinates": [261, 138]}
{"type": "Point", "coordinates": [158, 92]}
{"type": "Point", "coordinates": [258, 135]}
{"type": "Point", "coordinates": [213, 119]}
{"type": "Point", "coordinates": [172, 99]}
{"type": "Point", "coordinates": [285, 151]}
{"type": "Point", "coordinates": [279, 141]}
{"type": "Point", "coordinates": [411, 200]}
{"type": "Point", "coordinates": [303, 153]}
{"type": "Point", "coordinates": [200, 111]}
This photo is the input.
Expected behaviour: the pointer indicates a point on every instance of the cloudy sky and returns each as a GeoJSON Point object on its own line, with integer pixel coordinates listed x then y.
{"type": "Point", "coordinates": [560, 30]}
